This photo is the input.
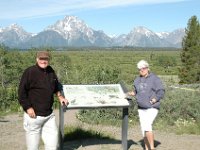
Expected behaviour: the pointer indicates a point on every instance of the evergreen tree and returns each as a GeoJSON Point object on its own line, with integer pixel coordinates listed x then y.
{"type": "Point", "coordinates": [2, 65]}
{"type": "Point", "coordinates": [190, 55]}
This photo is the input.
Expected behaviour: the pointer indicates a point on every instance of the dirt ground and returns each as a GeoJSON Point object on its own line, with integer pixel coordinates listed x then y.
{"type": "Point", "coordinates": [12, 136]}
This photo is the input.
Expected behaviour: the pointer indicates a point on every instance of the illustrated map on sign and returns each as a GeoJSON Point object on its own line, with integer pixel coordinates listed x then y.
{"type": "Point", "coordinates": [95, 95]}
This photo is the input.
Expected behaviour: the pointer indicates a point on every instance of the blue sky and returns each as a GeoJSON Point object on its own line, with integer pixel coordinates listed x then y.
{"type": "Point", "coordinates": [111, 16]}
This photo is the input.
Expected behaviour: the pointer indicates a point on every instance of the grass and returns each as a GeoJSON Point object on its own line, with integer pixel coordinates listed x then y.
{"type": "Point", "coordinates": [187, 126]}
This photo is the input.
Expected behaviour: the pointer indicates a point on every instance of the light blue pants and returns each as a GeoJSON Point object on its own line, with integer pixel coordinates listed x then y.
{"type": "Point", "coordinates": [38, 127]}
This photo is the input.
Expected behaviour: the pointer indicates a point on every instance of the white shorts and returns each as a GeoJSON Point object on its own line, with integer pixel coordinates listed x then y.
{"type": "Point", "coordinates": [147, 116]}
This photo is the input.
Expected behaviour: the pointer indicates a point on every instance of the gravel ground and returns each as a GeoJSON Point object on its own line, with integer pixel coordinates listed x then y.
{"type": "Point", "coordinates": [12, 136]}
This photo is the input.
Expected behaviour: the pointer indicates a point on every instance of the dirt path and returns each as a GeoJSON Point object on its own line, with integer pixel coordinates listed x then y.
{"type": "Point", "coordinates": [12, 136]}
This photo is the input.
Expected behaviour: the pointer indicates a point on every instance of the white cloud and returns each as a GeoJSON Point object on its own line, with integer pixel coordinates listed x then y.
{"type": "Point", "coordinates": [16, 9]}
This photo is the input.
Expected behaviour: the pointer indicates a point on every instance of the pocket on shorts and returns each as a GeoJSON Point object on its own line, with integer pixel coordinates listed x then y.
{"type": "Point", "coordinates": [30, 124]}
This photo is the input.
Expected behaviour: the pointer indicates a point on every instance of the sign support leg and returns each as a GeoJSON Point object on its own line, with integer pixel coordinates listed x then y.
{"type": "Point", "coordinates": [61, 127]}
{"type": "Point", "coordinates": [124, 128]}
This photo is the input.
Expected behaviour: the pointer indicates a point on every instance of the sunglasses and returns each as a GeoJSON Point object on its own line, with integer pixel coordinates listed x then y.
{"type": "Point", "coordinates": [141, 69]}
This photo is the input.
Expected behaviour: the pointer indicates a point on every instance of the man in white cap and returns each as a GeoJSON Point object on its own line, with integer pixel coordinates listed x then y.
{"type": "Point", "coordinates": [148, 90]}
{"type": "Point", "coordinates": [36, 91]}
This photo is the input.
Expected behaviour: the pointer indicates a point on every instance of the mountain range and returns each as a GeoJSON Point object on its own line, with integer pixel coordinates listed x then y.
{"type": "Point", "coordinates": [74, 32]}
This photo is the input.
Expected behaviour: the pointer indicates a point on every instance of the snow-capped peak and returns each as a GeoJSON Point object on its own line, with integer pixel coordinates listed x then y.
{"type": "Point", "coordinates": [14, 26]}
{"type": "Point", "coordinates": [113, 36]}
{"type": "Point", "coordinates": [69, 26]}
{"type": "Point", "coordinates": [22, 34]}
{"type": "Point", "coordinates": [162, 35]}
{"type": "Point", "coordinates": [143, 30]}
{"type": "Point", "coordinates": [18, 29]}
{"type": "Point", "coordinates": [73, 31]}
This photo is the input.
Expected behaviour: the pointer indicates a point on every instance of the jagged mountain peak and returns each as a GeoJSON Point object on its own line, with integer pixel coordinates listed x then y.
{"type": "Point", "coordinates": [71, 26]}
{"type": "Point", "coordinates": [74, 19]}
{"type": "Point", "coordinates": [72, 31]}
{"type": "Point", "coordinates": [142, 30]}
{"type": "Point", "coordinates": [75, 30]}
{"type": "Point", "coordinates": [72, 22]}
{"type": "Point", "coordinates": [176, 36]}
{"type": "Point", "coordinates": [14, 27]}
{"type": "Point", "coordinates": [178, 31]}
{"type": "Point", "coordinates": [162, 35]}
{"type": "Point", "coordinates": [17, 30]}
{"type": "Point", "coordinates": [142, 37]}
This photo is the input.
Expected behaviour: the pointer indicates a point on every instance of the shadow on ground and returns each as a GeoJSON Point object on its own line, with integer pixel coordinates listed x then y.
{"type": "Point", "coordinates": [78, 138]}
{"type": "Point", "coordinates": [156, 143]}
{"type": "Point", "coordinates": [3, 120]}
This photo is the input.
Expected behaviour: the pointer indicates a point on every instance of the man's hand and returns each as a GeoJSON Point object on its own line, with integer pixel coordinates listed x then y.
{"type": "Point", "coordinates": [31, 112]}
{"type": "Point", "coordinates": [153, 101]}
{"type": "Point", "coordinates": [63, 101]}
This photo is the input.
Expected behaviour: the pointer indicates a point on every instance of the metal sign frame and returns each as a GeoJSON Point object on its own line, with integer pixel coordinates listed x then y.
{"type": "Point", "coordinates": [95, 96]}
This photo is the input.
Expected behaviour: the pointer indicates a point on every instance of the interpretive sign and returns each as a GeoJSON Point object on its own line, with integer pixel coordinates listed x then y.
{"type": "Point", "coordinates": [107, 95]}
{"type": "Point", "coordinates": [95, 96]}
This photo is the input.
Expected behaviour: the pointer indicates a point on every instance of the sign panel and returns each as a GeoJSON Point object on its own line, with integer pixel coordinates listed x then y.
{"type": "Point", "coordinates": [86, 96]}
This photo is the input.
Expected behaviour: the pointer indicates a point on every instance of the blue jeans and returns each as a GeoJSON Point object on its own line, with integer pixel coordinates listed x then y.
{"type": "Point", "coordinates": [38, 127]}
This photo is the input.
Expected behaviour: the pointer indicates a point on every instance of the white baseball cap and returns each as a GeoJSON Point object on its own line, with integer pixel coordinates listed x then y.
{"type": "Point", "coordinates": [142, 64]}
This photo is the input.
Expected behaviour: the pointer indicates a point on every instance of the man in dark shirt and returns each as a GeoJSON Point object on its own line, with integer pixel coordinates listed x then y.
{"type": "Point", "coordinates": [37, 87]}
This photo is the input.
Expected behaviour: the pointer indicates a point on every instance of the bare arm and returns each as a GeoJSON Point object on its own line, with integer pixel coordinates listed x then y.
{"type": "Point", "coordinates": [131, 93]}
{"type": "Point", "coordinates": [62, 99]}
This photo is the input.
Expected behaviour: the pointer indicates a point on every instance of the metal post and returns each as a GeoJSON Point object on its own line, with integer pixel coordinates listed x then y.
{"type": "Point", "coordinates": [61, 127]}
{"type": "Point", "coordinates": [124, 128]}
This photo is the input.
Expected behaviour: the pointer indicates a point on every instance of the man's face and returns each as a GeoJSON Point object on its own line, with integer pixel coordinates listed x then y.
{"type": "Point", "coordinates": [43, 62]}
{"type": "Point", "coordinates": [144, 71]}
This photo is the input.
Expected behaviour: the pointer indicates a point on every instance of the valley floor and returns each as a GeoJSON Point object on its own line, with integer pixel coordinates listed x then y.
{"type": "Point", "coordinates": [12, 136]}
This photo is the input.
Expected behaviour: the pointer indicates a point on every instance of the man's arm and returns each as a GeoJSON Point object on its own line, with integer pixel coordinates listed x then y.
{"type": "Point", "coordinates": [63, 101]}
{"type": "Point", "coordinates": [23, 95]}
{"type": "Point", "coordinates": [23, 92]}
